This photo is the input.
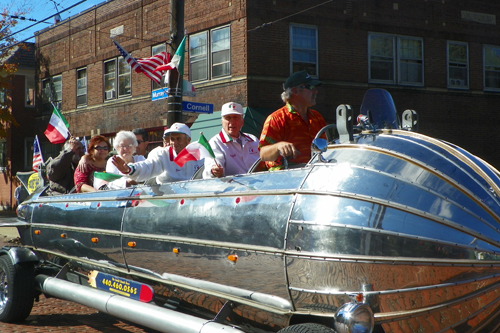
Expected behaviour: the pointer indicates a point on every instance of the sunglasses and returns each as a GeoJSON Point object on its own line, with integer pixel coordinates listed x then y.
{"type": "Point", "coordinates": [101, 148]}
{"type": "Point", "coordinates": [309, 87]}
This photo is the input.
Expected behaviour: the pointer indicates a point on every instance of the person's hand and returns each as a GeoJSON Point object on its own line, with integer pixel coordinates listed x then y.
{"type": "Point", "coordinates": [131, 182]}
{"type": "Point", "coordinates": [120, 164]}
{"type": "Point", "coordinates": [217, 171]}
{"type": "Point", "coordinates": [287, 149]}
{"type": "Point", "coordinates": [74, 144]}
{"type": "Point", "coordinates": [84, 165]}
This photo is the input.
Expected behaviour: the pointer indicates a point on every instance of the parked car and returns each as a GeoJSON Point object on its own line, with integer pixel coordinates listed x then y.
{"type": "Point", "coordinates": [384, 230]}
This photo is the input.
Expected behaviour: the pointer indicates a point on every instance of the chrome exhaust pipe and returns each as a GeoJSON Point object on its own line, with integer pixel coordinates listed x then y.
{"type": "Point", "coordinates": [148, 315]}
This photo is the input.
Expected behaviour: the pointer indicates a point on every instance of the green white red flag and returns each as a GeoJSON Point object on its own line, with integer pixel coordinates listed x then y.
{"type": "Point", "coordinates": [57, 130]}
{"type": "Point", "coordinates": [194, 152]}
{"type": "Point", "coordinates": [177, 60]}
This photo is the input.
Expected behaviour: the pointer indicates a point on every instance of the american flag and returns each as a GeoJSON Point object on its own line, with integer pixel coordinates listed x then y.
{"type": "Point", "coordinates": [146, 65]}
{"type": "Point", "coordinates": [37, 154]}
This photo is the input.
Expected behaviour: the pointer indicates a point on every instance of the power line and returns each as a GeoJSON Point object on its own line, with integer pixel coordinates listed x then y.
{"type": "Point", "coordinates": [284, 18]}
{"type": "Point", "coordinates": [22, 18]}
{"type": "Point", "coordinates": [12, 34]}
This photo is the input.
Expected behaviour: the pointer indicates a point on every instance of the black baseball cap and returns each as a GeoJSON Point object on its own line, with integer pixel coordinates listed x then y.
{"type": "Point", "coordinates": [301, 77]}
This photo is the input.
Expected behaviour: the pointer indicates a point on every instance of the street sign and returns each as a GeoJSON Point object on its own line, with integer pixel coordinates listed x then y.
{"type": "Point", "coordinates": [197, 107]}
{"type": "Point", "coordinates": [158, 94]}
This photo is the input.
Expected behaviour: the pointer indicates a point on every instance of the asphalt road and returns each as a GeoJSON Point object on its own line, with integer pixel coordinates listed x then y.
{"type": "Point", "coordinates": [55, 315]}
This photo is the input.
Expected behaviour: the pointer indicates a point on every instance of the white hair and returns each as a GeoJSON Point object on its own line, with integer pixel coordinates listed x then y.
{"type": "Point", "coordinates": [286, 95]}
{"type": "Point", "coordinates": [123, 135]}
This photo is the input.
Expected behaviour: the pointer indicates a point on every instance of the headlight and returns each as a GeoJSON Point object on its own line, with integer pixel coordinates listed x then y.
{"type": "Point", "coordinates": [354, 318]}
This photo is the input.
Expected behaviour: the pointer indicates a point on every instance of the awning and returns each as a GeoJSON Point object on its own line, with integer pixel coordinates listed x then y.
{"type": "Point", "coordinates": [210, 124]}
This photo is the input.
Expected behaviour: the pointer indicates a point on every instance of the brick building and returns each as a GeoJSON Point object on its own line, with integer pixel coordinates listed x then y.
{"type": "Point", "coordinates": [440, 58]}
{"type": "Point", "coordinates": [16, 150]}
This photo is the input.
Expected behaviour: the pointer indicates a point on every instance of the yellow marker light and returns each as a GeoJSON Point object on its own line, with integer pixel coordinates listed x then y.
{"type": "Point", "coordinates": [37, 232]}
{"type": "Point", "coordinates": [94, 239]}
{"type": "Point", "coordinates": [359, 298]}
{"type": "Point", "coordinates": [176, 250]}
{"type": "Point", "coordinates": [132, 244]}
{"type": "Point", "coordinates": [233, 257]}
{"type": "Point", "coordinates": [64, 235]}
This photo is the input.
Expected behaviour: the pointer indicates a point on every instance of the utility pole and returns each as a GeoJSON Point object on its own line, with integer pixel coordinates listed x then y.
{"type": "Point", "coordinates": [174, 99]}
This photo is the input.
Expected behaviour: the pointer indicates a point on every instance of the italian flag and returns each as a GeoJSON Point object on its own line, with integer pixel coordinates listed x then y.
{"type": "Point", "coordinates": [177, 60]}
{"type": "Point", "coordinates": [57, 130]}
{"type": "Point", "coordinates": [194, 152]}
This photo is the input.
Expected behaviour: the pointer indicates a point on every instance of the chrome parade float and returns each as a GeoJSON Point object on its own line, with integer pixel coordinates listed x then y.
{"type": "Point", "coordinates": [384, 230]}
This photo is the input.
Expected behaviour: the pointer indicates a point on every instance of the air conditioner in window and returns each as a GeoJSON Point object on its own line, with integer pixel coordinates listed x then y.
{"type": "Point", "coordinates": [457, 83]}
{"type": "Point", "coordinates": [110, 94]}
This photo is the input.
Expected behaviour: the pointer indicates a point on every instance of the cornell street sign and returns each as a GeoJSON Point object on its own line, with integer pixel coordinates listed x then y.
{"type": "Point", "coordinates": [197, 107]}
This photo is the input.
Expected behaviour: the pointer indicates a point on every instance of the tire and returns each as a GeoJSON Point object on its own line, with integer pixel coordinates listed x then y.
{"type": "Point", "coordinates": [17, 290]}
{"type": "Point", "coordinates": [307, 328]}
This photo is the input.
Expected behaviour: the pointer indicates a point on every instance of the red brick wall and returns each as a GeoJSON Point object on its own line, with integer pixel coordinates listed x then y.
{"type": "Point", "coordinates": [15, 143]}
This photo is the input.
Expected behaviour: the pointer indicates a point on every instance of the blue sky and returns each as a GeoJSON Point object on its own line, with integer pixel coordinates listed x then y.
{"type": "Point", "coordinates": [41, 9]}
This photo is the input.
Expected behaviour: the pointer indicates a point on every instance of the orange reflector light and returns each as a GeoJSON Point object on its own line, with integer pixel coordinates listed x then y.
{"type": "Point", "coordinates": [359, 298]}
{"type": "Point", "coordinates": [232, 257]}
{"type": "Point", "coordinates": [176, 250]}
{"type": "Point", "coordinates": [37, 232]}
{"type": "Point", "coordinates": [132, 244]}
{"type": "Point", "coordinates": [94, 239]}
{"type": "Point", "coordinates": [64, 235]}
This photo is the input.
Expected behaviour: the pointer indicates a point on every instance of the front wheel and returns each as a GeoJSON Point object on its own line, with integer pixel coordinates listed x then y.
{"type": "Point", "coordinates": [17, 290]}
{"type": "Point", "coordinates": [307, 328]}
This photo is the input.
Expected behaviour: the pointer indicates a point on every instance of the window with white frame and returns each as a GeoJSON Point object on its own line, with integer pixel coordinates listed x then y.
{"type": "Point", "coordinates": [117, 82]}
{"type": "Point", "coordinates": [458, 65]}
{"type": "Point", "coordinates": [29, 98]}
{"type": "Point", "coordinates": [51, 94]}
{"type": "Point", "coordinates": [210, 54]}
{"type": "Point", "coordinates": [304, 49]}
{"type": "Point", "coordinates": [81, 87]}
{"type": "Point", "coordinates": [198, 69]}
{"type": "Point", "coordinates": [395, 59]}
{"type": "Point", "coordinates": [220, 48]}
{"type": "Point", "coordinates": [491, 69]}
{"type": "Point", "coordinates": [156, 50]}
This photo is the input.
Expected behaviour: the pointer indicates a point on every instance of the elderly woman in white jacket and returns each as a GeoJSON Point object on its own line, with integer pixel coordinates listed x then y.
{"type": "Point", "coordinates": [125, 144]}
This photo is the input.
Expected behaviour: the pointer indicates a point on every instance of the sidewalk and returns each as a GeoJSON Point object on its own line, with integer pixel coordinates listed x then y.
{"type": "Point", "coordinates": [7, 233]}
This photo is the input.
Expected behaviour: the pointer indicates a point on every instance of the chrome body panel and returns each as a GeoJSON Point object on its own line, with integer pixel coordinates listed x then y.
{"type": "Point", "coordinates": [410, 222]}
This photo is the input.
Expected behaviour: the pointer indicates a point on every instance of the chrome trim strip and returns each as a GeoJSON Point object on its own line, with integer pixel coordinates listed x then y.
{"type": "Point", "coordinates": [393, 233]}
{"type": "Point", "coordinates": [174, 239]}
{"type": "Point", "coordinates": [406, 209]}
{"type": "Point", "coordinates": [394, 291]}
{"type": "Point", "coordinates": [17, 224]}
{"type": "Point", "coordinates": [393, 260]}
{"type": "Point", "coordinates": [386, 317]}
{"type": "Point", "coordinates": [40, 200]}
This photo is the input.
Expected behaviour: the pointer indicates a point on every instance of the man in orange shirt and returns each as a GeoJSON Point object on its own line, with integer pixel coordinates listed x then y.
{"type": "Point", "coordinates": [289, 131]}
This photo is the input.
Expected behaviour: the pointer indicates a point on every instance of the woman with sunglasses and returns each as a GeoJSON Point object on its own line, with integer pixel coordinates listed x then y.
{"type": "Point", "coordinates": [95, 160]}
{"type": "Point", "coordinates": [125, 144]}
